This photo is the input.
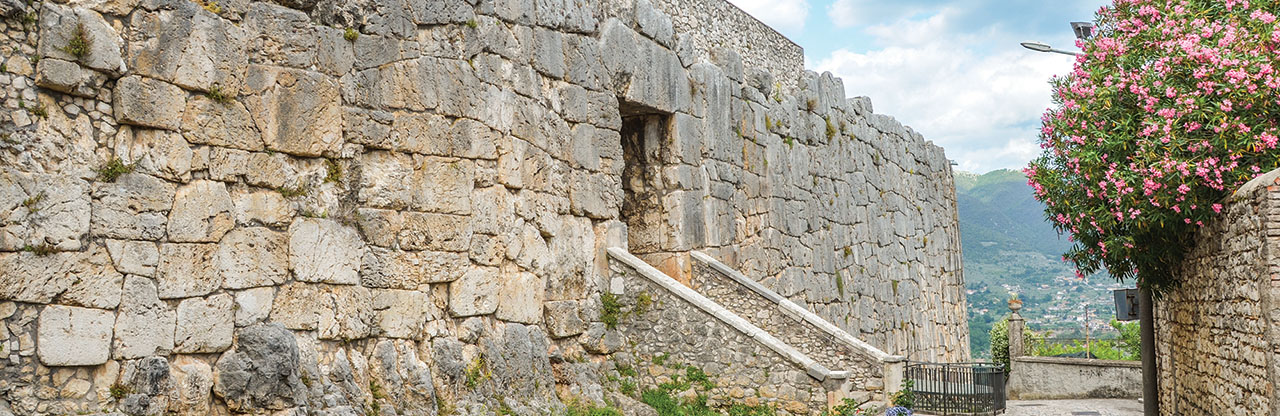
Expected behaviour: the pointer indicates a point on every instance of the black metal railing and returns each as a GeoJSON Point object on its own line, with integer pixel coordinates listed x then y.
{"type": "Point", "coordinates": [957, 388]}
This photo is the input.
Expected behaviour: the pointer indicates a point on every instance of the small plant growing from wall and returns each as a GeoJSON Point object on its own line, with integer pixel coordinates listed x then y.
{"type": "Point", "coordinates": [477, 372]}
{"type": "Point", "coordinates": [831, 129]}
{"type": "Point", "coordinates": [114, 169]}
{"type": "Point", "coordinates": [610, 310]}
{"type": "Point", "coordinates": [79, 44]}
{"type": "Point", "coordinates": [333, 171]}
{"type": "Point", "coordinates": [350, 34]}
{"type": "Point", "coordinates": [218, 95]}
{"type": "Point", "coordinates": [811, 104]}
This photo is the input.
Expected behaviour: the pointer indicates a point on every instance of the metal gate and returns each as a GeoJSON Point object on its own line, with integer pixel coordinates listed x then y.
{"type": "Point", "coordinates": [957, 388]}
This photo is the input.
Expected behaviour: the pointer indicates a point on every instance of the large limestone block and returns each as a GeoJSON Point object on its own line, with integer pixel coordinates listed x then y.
{"type": "Point", "coordinates": [193, 386]}
{"type": "Point", "coordinates": [395, 269]}
{"type": "Point", "coordinates": [145, 324]}
{"type": "Point", "coordinates": [261, 208]}
{"type": "Point", "coordinates": [42, 210]}
{"type": "Point", "coordinates": [322, 250]}
{"type": "Point", "coordinates": [252, 257]}
{"type": "Point", "coordinates": [228, 124]}
{"type": "Point", "coordinates": [189, 47]}
{"type": "Point", "coordinates": [134, 257]}
{"type": "Point", "coordinates": [161, 153]}
{"type": "Point", "coordinates": [71, 336]}
{"type": "Point", "coordinates": [253, 305]}
{"type": "Point", "coordinates": [68, 77]}
{"type": "Point", "coordinates": [335, 312]}
{"type": "Point", "coordinates": [564, 318]}
{"type": "Point", "coordinates": [201, 213]}
{"type": "Point", "coordinates": [281, 35]}
{"type": "Point", "coordinates": [149, 102]}
{"type": "Point", "coordinates": [59, 26]}
{"type": "Point", "coordinates": [402, 313]}
{"type": "Point", "coordinates": [298, 112]}
{"type": "Point", "coordinates": [134, 207]}
{"type": "Point", "coordinates": [520, 299]}
{"type": "Point", "coordinates": [421, 183]}
{"type": "Point", "coordinates": [187, 270]}
{"type": "Point", "coordinates": [437, 232]}
{"type": "Point", "coordinates": [78, 278]}
{"type": "Point", "coordinates": [476, 293]}
{"type": "Point", "coordinates": [262, 372]}
{"type": "Point", "coordinates": [204, 324]}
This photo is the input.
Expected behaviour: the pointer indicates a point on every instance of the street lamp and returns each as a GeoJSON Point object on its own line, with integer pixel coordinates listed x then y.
{"type": "Point", "coordinates": [1083, 31]}
{"type": "Point", "coordinates": [1044, 47]}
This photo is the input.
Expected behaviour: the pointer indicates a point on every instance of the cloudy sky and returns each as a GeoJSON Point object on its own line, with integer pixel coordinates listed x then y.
{"type": "Point", "coordinates": [951, 69]}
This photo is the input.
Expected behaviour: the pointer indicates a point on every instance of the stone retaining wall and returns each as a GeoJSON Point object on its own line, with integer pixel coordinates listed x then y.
{"type": "Point", "coordinates": [1052, 378]}
{"type": "Point", "coordinates": [414, 197]}
{"type": "Point", "coordinates": [870, 369]}
{"type": "Point", "coordinates": [746, 363]}
{"type": "Point", "coordinates": [1216, 332]}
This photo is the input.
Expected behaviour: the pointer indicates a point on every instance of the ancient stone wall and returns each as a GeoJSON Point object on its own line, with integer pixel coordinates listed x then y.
{"type": "Point", "coordinates": [1216, 332]}
{"type": "Point", "coordinates": [353, 206]}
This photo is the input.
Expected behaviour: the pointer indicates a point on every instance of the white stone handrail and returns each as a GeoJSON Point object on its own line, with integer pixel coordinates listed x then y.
{"type": "Point", "coordinates": [790, 308]}
{"type": "Point", "coordinates": [811, 366]}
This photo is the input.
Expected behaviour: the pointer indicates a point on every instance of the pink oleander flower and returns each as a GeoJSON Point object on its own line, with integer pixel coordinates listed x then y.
{"type": "Point", "coordinates": [1171, 107]}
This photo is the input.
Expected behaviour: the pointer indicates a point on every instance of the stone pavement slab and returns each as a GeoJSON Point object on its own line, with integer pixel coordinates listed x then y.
{"type": "Point", "coordinates": [1091, 407]}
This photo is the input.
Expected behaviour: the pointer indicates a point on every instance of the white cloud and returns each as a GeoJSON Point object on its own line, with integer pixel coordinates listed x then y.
{"type": "Point", "coordinates": [787, 16]}
{"type": "Point", "coordinates": [984, 109]}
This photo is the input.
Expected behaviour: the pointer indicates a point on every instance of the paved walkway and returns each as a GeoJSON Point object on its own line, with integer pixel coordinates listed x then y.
{"type": "Point", "coordinates": [1094, 407]}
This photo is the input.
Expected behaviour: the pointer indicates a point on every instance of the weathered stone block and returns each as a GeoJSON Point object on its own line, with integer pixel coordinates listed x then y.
{"type": "Point", "coordinates": [60, 25]}
{"type": "Point", "coordinates": [298, 112]}
{"type": "Point", "coordinates": [204, 325]}
{"type": "Point", "coordinates": [402, 313]}
{"type": "Point", "coordinates": [145, 324]}
{"type": "Point", "coordinates": [422, 183]}
{"type": "Point", "coordinates": [187, 270]}
{"type": "Point", "coordinates": [68, 77]}
{"type": "Point", "coordinates": [262, 372]}
{"type": "Point", "coordinates": [42, 210]}
{"type": "Point", "coordinates": [395, 269]}
{"type": "Point", "coordinates": [252, 257]}
{"type": "Point", "coordinates": [149, 102]}
{"type": "Point", "coordinates": [201, 213]}
{"type": "Point", "coordinates": [322, 250]}
{"type": "Point", "coordinates": [520, 298]}
{"type": "Point", "coordinates": [71, 336]}
{"type": "Point", "coordinates": [189, 47]}
{"type": "Point", "coordinates": [280, 35]}
{"type": "Point", "coordinates": [26, 277]}
{"type": "Point", "coordinates": [564, 318]}
{"type": "Point", "coordinates": [261, 208]}
{"type": "Point", "coordinates": [228, 124]}
{"type": "Point", "coordinates": [253, 305]}
{"type": "Point", "coordinates": [437, 232]}
{"type": "Point", "coordinates": [476, 293]}
{"type": "Point", "coordinates": [134, 257]}
{"type": "Point", "coordinates": [379, 226]}
{"type": "Point", "coordinates": [193, 386]}
{"type": "Point", "coordinates": [159, 153]}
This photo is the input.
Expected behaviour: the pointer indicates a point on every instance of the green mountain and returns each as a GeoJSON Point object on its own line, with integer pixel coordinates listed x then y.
{"type": "Point", "coordinates": [1009, 247]}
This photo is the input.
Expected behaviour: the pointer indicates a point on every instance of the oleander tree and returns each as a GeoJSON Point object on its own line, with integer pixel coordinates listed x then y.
{"type": "Point", "coordinates": [1173, 105]}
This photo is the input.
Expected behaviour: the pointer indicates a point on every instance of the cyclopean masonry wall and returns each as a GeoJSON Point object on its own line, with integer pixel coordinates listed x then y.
{"type": "Point", "coordinates": [350, 206]}
{"type": "Point", "coordinates": [1216, 333]}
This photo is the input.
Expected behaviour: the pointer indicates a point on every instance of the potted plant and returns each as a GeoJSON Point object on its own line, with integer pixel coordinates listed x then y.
{"type": "Point", "coordinates": [1015, 304]}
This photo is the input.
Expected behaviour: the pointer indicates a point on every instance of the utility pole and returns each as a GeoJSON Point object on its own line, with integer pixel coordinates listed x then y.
{"type": "Point", "coordinates": [1146, 318]}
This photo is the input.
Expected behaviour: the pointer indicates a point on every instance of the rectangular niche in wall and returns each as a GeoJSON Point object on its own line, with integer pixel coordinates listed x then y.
{"type": "Point", "coordinates": [644, 136]}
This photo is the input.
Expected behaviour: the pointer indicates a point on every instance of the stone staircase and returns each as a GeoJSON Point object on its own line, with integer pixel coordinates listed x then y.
{"type": "Point", "coordinates": [751, 341]}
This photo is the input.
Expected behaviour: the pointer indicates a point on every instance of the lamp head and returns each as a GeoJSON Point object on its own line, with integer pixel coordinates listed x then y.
{"type": "Point", "coordinates": [1037, 46]}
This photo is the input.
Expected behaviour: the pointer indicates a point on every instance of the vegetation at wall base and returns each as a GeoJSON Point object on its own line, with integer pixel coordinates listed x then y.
{"type": "Point", "coordinates": [1170, 108]}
